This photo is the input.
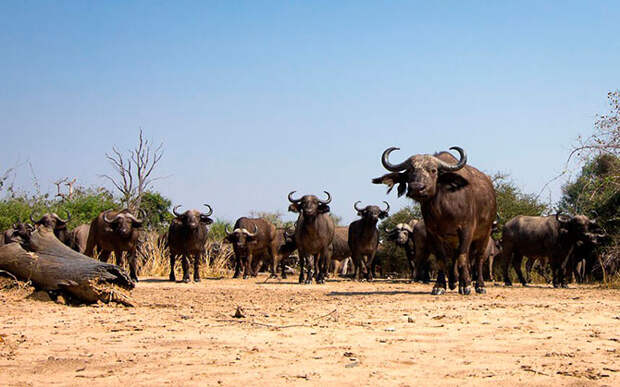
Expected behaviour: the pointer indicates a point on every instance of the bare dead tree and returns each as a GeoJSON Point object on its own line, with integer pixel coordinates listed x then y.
{"type": "Point", "coordinates": [69, 184]}
{"type": "Point", "coordinates": [606, 136]}
{"type": "Point", "coordinates": [134, 172]}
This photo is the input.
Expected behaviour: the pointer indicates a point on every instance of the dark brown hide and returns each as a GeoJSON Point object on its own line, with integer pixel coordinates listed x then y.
{"type": "Point", "coordinates": [314, 233]}
{"type": "Point", "coordinates": [253, 238]}
{"type": "Point", "coordinates": [364, 238]}
{"type": "Point", "coordinates": [412, 237]}
{"type": "Point", "coordinates": [340, 250]}
{"type": "Point", "coordinates": [458, 206]}
{"type": "Point", "coordinates": [187, 236]}
{"type": "Point", "coordinates": [54, 222]}
{"type": "Point", "coordinates": [78, 238]}
{"type": "Point", "coordinates": [118, 232]}
{"type": "Point", "coordinates": [555, 237]}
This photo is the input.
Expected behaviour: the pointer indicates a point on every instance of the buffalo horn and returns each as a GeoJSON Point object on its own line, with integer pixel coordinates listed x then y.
{"type": "Point", "coordinates": [174, 210]}
{"type": "Point", "coordinates": [389, 166]}
{"type": "Point", "coordinates": [210, 210]}
{"type": "Point", "coordinates": [387, 209]}
{"type": "Point", "coordinates": [451, 168]}
{"type": "Point", "coordinates": [290, 197]}
{"type": "Point", "coordinates": [355, 206]}
{"type": "Point", "coordinates": [328, 200]}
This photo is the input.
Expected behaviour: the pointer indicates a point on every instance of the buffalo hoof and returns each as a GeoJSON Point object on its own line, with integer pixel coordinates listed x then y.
{"type": "Point", "coordinates": [480, 290]}
{"type": "Point", "coordinates": [196, 279]}
{"type": "Point", "coordinates": [564, 286]}
{"type": "Point", "coordinates": [172, 278]}
{"type": "Point", "coordinates": [438, 291]}
{"type": "Point", "coordinates": [236, 276]}
{"type": "Point", "coordinates": [186, 280]}
{"type": "Point", "coordinates": [508, 284]}
{"type": "Point", "coordinates": [135, 279]}
{"type": "Point", "coordinates": [452, 285]}
{"type": "Point", "coordinates": [245, 277]}
{"type": "Point", "coordinates": [525, 285]}
{"type": "Point", "coordinates": [308, 282]}
{"type": "Point", "coordinates": [465, 290]}
{"type": "Point", "coordinates": [320, 281]}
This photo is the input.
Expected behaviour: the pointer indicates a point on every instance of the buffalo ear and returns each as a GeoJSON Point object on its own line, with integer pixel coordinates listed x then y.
{"type": "Point", "coordinates": [137, 224]}
{"type": "Point", "coordinates": [359, 213]}
{"type": "Point", "coordinates": [392, 179]}
{"type": "Point", "coordinates": [323, 208]}
{"type": "Point", "coordinates": [383, 214]}
{"type": "Point", "coordinates": [206, 220]}
{"type": "Point", "coordinates": [293, 207]}
{"type": "Point", "coordinates": [452, 181]}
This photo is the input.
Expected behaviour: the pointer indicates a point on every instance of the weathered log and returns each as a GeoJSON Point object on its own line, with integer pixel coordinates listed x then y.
{"type": "Point", "coordinates": [52, 266]}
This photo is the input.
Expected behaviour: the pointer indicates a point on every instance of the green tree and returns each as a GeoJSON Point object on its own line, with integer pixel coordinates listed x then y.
{"type": "Point", "coordinates": [511, 201]}
{"type": "Point", "coordinates": [157, 210]}
{"type": "Point", "coordinates": [395, 259]}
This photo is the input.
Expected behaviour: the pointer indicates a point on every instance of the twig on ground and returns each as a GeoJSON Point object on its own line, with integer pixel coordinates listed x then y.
{"type": "Point", "coordinates": [276, 326]}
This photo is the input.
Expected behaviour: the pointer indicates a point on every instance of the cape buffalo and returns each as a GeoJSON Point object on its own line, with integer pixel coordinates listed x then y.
{"type": "Point", "coordinates": [17, 233]}
{"type": "Point", "coordinates": [187, 236]}
{"type": "Point", "coordinates": [116, 231]}
{"type": "Point", "coordinates": [78, 238]}
{"type": "Point", "coordinates": [252, 237]}
{"type": "Point", "coordinates": [412, 237]}
{"type": "Point", "coordinates": [554, 237]}
{"type": "Point", "coordinates": [340, 250]}
{"type": "Point", "coordinates": [458, 206]}
{"type": "Point", "coordinates": [56, 223]}
{"type": "Point", "coordinates": [314, 233]}
{"type": "Point", "coordinates": [364, 238]}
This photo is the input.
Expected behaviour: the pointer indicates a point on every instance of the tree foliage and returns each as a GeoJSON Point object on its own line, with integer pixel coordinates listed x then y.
{"type": "Point", "coordinates": [511, 201]}
{"type": "Point", "coordinates": [156, 209]}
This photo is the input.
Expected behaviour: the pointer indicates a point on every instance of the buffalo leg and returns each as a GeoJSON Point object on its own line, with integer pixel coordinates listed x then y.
{"type": "Point", "coordinates": [247, 270]}
{"type": "Point", "coordinates": [172, 277]}
{"type": "Point", "coordinates": [237, 266]}
{"type": "Point", "coordinates": [310, 264]}
{"type": "Point", "coordinates": [461, 264]}
{"type": "Point", "coordinates": [371, 273]}
{"type": "Point", "coordinates": [104, 256]}
{"type": "Point", "coordinates": [197, 258]}
{"type": "Point", "coordinates": [516, 263]}
{"type": "Point", "coordinates": [529, 265]}
{"type": "Point", "coordinates": [185, 266]}
{"type": "Point", "coordinates": [133, 265]}
{"type": "Point", "coordinates": [507, 258]}
{"type": "Point", "coordinates": [302, 264]}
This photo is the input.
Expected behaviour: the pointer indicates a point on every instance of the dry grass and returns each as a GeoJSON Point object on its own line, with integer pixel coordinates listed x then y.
{"type": "Point", "coordinates": [156, 260]}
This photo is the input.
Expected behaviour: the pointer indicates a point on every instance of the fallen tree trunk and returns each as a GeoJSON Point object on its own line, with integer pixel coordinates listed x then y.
{"type": "Point", "coordinates": [51, 265]}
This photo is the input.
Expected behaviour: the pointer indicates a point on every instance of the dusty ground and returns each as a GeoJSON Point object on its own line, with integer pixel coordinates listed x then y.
{"type": "Point", "coordinates": [380, 333]}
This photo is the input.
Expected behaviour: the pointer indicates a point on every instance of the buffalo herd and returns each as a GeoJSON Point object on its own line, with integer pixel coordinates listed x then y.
{"type": "Point", "coordinates": [459, 219]}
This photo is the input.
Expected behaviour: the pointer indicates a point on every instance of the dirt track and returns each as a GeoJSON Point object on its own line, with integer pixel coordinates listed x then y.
{"type": "Point", "coordinates": [379, 333]}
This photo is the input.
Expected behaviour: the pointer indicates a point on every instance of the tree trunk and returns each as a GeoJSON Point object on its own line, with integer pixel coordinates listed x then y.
{"type": "Point", "coordinates": [50, 265]}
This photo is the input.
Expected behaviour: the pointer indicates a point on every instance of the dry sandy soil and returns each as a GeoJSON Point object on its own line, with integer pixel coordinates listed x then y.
{"type": "Point", "coordinates": [380, 333]}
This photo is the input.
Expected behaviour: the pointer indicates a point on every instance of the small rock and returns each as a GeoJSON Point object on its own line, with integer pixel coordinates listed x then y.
{"type": "Point", "coordinates": [239, 313]}
{"type": "Point", "coordinates": [390, 329]}
{"type": "Point", "coordinates": [410, 319]}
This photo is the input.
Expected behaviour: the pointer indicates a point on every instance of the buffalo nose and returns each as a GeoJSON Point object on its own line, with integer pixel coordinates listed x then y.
{"type": "Point", "coordinates": [418, 186]}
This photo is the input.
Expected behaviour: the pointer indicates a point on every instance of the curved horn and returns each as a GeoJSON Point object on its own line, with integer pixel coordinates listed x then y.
{"type": "Point", "coordinates": [389, 166]}
{"type": "Point", "coordinates": [105, 217]}
{"type": "Point", "coordinates": [387, 209]}
{"type": "Point", "coordinates": [328, 200]}
{"type": "Point", "coordinates": [252, 234]}
{"type": "Point", "coordinates": [132, 217]}
{"type": "Point", "coordinates": [210, 210]}
{"type": "Point", "coordinates": [31, 218]}
{"type": "Point", "coordinates": [174, 210]}
{"type": "Point", "coordinates": [62, 220]}
{"type": "Point", "coordinates": [449, 167]}
{"type": "Point", "coordinates": [355, 206]}
{"type": "Point", "coordinates": [390, 231]}
{"type": "Point", "coordinates": [558, 215]}
{"type": "Point", "coordinates": [290, 197]}
{"type": "Point", "coordinates": [226, 230]}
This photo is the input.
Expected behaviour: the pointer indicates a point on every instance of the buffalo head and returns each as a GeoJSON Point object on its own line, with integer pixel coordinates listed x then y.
{"type": "Point", "coordinates": [193, 218]}
{"type": "Point", "coordinates": [580, 228]}
{"type": "Point", "coordinates": [123, 223]}
{"type": "Point", "coordinates": [240, 237]}
{"type": "Point", "coordinates": [400, 234]}
{"type": "Point", "coordinates": [309, 205]}
{"type": "Point", "coordinates": [373, 213]}
{"type": "Point", "coordinates": [52, 220]}
{"type": "Point", "coordinates": [419, 175]}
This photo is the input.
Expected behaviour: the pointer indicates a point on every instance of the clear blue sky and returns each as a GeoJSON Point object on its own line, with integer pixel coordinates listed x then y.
{"type": "Point", "coordinates": [254, 99]}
